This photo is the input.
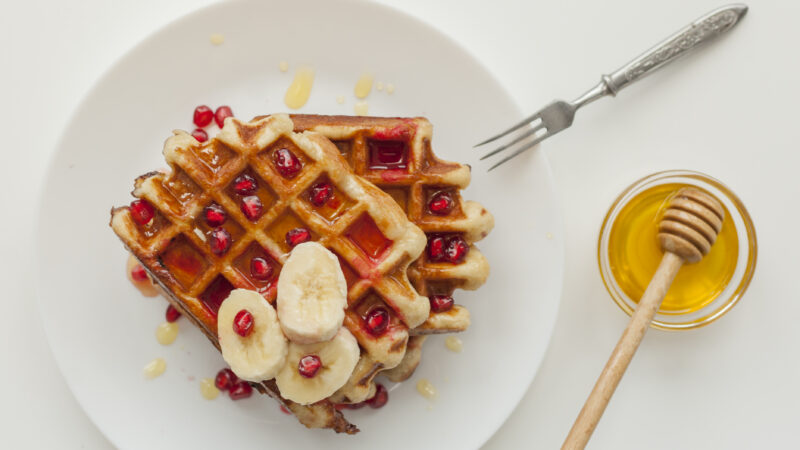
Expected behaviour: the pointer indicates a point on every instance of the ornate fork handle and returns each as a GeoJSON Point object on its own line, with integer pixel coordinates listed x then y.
{"type": "Point", "coordinates": [702, 30]}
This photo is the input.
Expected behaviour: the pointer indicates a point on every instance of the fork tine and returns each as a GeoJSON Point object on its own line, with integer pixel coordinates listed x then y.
{"type": "Point", "coordinates": [520, 150]}
{"type": "Point", "coordinates": [518, 139]}
{"type": "Point", "coordinates": [515, 127]}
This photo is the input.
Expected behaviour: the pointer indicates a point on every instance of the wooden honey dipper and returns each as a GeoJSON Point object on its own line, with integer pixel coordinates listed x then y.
{"type": "Point", "coordinates": [686, 232]}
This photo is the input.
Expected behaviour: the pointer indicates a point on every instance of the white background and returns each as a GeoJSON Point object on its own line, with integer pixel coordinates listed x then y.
{"type": "Point", "coordinates": [727, 111]}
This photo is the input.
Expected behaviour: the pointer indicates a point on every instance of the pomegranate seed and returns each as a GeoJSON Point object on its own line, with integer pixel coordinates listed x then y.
{"type": "Point", "coordinates": [142, 211]}
{"type": "Point", "coordinates": [225, 379]}
{"type": "Point", "coordinates": [456, 250]}
{"type": "Point", "coordinates": [285, 411]}
{"type": "Point", "coordinates": [215, 215]}
{"type": "Point", "coordinates": [244, 184]}
{"type": "Point", "coordinates": [441, 204]}
{"type": "Point", "coordinates": [138, 273]}
{"type": "Point", "coordinates": [200, 135]}
{"type": "Point", "coordinates": [377, 320]}
{"type": "Point", "coordinates": [297, 236]}
{"type": "Point", "coordinates": [441, 303]}
{"type": "Point", "coordinates": [261, 269]}
{"type": "Point", "coordinates": [321, 193]}
{"type": "Point", "coordinates": [172, 314]}
{"type": "Point", "coordinates": [240, 390]}
{"type": "Point", "coordinates": [287, 164]}
{"type": "Point", "coordinates": [202, 116]}
{"type": "Point", "coordinates": [243, 323]}
{"type": "Point", "coordinates": [222, 113]}
{"type": "Point", "coordinates": [251, 207]}
{"type": "Point", "coordinates": [220, 241]}
{"type": "Point", "coordinates": [380, 398]}
{"type": "Point", "coordinates": [309, 365]}
{"type": "Point", "coordinates": [436, 249]}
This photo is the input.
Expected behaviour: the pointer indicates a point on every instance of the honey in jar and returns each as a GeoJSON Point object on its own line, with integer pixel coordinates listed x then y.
{"type": "Point", "coordinates": [634, 254]}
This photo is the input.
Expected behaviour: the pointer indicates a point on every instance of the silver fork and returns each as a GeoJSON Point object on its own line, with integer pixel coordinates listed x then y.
{"type": "Point", "coordinates": [558, 116]}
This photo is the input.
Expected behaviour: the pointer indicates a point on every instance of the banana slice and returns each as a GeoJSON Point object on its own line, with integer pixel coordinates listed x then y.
{"type": "Point", "coordinates": [336, 360]}
{"type": "Point", "coordinates": [312, 294]}
{"type": "Point", "coordinates": [262, 352]}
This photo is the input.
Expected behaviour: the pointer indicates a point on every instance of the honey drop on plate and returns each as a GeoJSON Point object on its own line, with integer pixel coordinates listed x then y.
{"type": "Point", "coordinates": [426, 389]}
{"type": "Point", "coordinates": [166, 333]}
{"type": "Point", "coordinates": [155, 368]}
{"type": "Point", "coordinates": [300, 90]}
{"type": "Point", "coordinates": [363, 85]}
{"type": "Point", "coordinates": [207, 389]}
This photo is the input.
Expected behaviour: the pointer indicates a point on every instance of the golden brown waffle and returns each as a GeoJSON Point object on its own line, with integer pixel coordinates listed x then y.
{"type": "Point", "coordinates": [186, 252]}
{"type": "Point", "coordinates": [395, 154]}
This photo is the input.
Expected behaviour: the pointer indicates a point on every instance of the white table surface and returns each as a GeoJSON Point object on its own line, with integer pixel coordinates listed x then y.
{"type": "Point", "coordinates": [728, 111]}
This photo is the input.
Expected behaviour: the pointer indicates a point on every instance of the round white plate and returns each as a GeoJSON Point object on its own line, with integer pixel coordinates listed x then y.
{"type": "Point", "coordinates": [102, 331]}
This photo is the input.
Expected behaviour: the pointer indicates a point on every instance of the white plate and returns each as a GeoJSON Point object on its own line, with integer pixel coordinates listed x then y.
{"type": "Point", "coordinates": [102, 331]}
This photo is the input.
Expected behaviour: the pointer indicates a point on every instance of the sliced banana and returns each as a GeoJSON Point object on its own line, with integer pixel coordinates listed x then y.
{"type": "Point", "coordinates": [261, 354]}
{"type": "Point", "coordinates": [338, 357]}
{"type": "Point", "coordinates": [312, 294]}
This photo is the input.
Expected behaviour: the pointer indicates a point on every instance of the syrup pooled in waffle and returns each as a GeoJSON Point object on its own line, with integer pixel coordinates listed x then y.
{"type": "Point", "coordinates": [395, 154]}
{"type": "Point", "coordinates": [252, 192]}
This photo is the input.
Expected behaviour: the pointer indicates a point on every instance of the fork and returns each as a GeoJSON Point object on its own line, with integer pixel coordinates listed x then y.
{"type": "Point", "coordinates": [558, 116]}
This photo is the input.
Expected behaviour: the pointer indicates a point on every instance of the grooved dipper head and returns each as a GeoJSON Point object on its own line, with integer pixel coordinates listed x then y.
{"type": "Point", "coordinates": [690, 224]}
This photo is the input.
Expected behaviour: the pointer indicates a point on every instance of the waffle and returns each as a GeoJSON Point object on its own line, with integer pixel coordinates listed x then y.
{"type": "Point", "coordinates": [413, 175]}
{"type": "Point", "coordinates": [364, 227]}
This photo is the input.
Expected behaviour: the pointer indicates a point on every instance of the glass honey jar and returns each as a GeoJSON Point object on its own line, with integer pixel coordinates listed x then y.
{"type": "Point", "coordinates": [629, 252]}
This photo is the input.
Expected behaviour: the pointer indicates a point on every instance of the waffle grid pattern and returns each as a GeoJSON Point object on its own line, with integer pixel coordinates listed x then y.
{"type": "Point", "coordinates": [174, 246]}
{"type": "Point", "coordinates": [412, 183]}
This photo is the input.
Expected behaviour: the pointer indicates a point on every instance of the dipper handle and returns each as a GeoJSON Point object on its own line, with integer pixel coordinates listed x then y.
{"type": "Point", "coordinates": [687, 230]}
{"type": "Point", "coordinates": [623, 353]}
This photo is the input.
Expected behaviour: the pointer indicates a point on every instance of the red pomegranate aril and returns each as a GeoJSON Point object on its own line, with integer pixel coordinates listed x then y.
{"type": "Point", "coordinates": [203, 116]}
{"type": "Point", "coordinates": [261, 269]}
{"type": "Point", "coordinates": [215, 215]}
{"type": "Point", "coordinates": [172, 314]}
{"type": "Point", "coordinates": [138, 273]}
{"type": "Point", "coordinates": [321, 193]}
{"type": "Point", "coordinates": [441, 204]}
{"type": "Point", "coordinates": [240, 390]}
{"type": "Point", "coordinates": [297, 236]}
{"type": "Point", "coordinates": [244, 184]}
{"type": "Point", "coordinates": [456, 250]}
{"type": "Point", "coordinates": [380, 398]}
{"type": "Point", "coordinates": [441, 303]}
{"type": "Point", "coordinates": [243, 323]}
{"type": "Point", "coordinates": [251, 207]}
{"type": "Point", "coordinates": [436, 249]}
{"type": "Point", "coordinates": [222, 113]}
{"type": "Point", "coordinates": [200, 135]}
{"type": "Point", "coordinates": [286, 162]}
{"type": "Point", "coordinates": [220, 241]}
{"type": "Point", "coordinates": [142, 211]}
{"type": "Point", "coordinates": [225, 379]}
{"type": "Point", "coordinates": [377, 320]}
{"type": "Point", "coordinates": [309, 365]}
